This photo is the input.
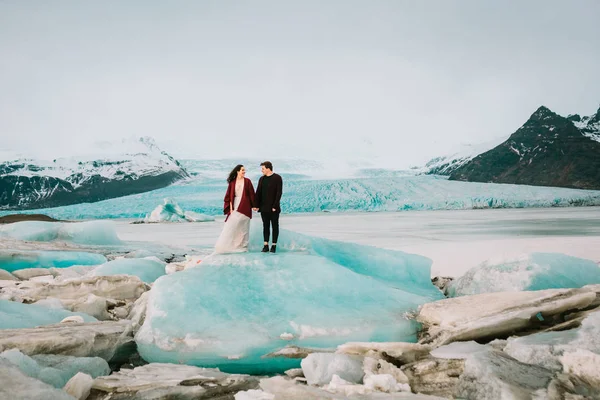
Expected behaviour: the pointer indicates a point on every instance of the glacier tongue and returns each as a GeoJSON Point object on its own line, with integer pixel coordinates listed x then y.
{"type": "Point", "coordinates": [232, 310]}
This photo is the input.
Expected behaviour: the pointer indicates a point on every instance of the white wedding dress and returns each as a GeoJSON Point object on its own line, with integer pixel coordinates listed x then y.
{"type": "Point", "coordinates": [236, 232]}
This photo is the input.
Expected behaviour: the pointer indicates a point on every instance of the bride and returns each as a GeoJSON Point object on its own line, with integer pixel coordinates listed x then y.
{"type": "Point", "coordinates": [239, 201]}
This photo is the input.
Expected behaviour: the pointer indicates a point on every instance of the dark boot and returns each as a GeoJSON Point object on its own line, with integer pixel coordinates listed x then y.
{"type": "Point", "coordinates": [265, 249]}
{"type": "Point", "coordinates": [274, 248]}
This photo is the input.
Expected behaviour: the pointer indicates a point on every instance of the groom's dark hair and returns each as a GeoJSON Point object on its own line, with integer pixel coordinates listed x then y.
{"type": "Point", "coordinates": [267, 165]}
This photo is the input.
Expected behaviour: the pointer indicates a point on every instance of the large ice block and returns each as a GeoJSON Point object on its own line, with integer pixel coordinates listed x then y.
{"type": "Point", "coordinates": [15, 260]}
{"type": "Point", "coordinates": [88, 233]}
{"type": "Point", "coordinates": [56, 370]}
{"type": "Point", "coordinates": [15, 315]}
{"type": "Point", "coordinates": [536, 271]}
{"type": "Point", "coordinates": [231, 311]}
{"type": "Point", "coordinates": [146, 269]}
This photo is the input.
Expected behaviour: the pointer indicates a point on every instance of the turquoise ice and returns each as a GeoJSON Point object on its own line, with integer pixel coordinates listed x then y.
{"type": "Point", "coordinates": [15, 315]}
{"type": "Point", "coordinates": [233, 310]}
{"type": "Point", "coordinates": [536, 271]}
{"type": "Point", "coordinates": [404, 193]}
{"type": "Point", "coordinates": [14, 260]}
{"type": "Point", "coordinates": [100, 233]}
{"type": "Point", "coordinates": [171, 212]}
{"type": "Point", "coordinates": [147, 270]}
{"type": "Point", "coordinates": [56, 370]}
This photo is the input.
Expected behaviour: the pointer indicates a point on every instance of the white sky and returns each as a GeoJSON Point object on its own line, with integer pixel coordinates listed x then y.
{"type": "Point", "coordinates": [400, 81]}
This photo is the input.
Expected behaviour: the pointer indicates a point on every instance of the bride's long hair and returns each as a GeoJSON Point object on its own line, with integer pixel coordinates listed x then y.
{"type": "Point", "coordinates": [233, 174]}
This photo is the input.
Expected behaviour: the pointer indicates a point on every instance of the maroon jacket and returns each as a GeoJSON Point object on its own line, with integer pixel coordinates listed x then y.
{"type": "Point", "coordinates": [248, 201]}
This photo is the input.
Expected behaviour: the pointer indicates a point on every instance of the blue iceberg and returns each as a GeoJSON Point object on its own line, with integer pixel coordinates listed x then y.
{"type": "Point", "coordinates": [235, 311]}
{"type": "Point", "coordinates": [171, 212]}
{"type": "Point", "coordinates": [536, 271]}
{"type": "Point", "coordinates": [100, 233]}
{"type": "Point", "coordinates": [15, 260]}
{"type": "Point", "coordinates": [145, 269]}
{"type": "Point", "coordinates": [15, 315]}
{"type": "Point", "coordinates": [56, 370]}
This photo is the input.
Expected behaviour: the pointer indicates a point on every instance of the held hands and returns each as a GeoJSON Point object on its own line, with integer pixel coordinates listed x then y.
{"type": "Point", "coordinates": [273, 210]}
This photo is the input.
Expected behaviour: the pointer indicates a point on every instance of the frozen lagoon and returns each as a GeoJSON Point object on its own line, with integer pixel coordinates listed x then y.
{"type": "Point", "coordinates": [455, 240]}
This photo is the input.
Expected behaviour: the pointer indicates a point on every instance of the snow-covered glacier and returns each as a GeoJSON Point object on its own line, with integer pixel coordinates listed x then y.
{"type": "Point", "coordinates": [361, 194]}
{"type": "Point", "coordinates": [244, 312]}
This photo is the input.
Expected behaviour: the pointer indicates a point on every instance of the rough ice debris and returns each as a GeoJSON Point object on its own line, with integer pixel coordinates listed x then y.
{"type": "Point", "coordinates": [319, 368]}
{"type": "Point", "coordinates": [494, 375]}
{"type": "Point", "coordinates": [147, 270]}
{"type": "Point", "coordinates": [232, 309]}
{"type": "Point", "coordinates": [108, 340]}
{"type": "Point", "coordinates": [537, 271]}
{"type": "Point", "coordinates": [16, 260]}
{"type": "Point", "coordinates": [459, 350]}
{"type": "Point", "coordinates": [15, 385]}
{"type": "Point", "coordinates": [171, 212]}
{"type": "Point", "coordinates": [15, 315]}
{"type": "Point", "coordinates": [546, 349]}
{"type": "Point", "coordinates": [90, 232]}
{"type": "Point", "coordinates": [79, 386]}
{"type": "Point", "coordinates": [56, 370]}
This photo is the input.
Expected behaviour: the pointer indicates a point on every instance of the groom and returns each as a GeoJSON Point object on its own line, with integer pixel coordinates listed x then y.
{"type": "Point", "coordinates": [268, 195]}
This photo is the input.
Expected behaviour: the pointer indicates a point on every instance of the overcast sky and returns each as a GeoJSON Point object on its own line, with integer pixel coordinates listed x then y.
{"type": "Point", "coordinates": [393, 80]}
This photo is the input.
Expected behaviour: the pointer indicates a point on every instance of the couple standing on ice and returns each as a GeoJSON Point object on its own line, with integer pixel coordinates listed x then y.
{"type": "Point", "coordinates": [240, 200]}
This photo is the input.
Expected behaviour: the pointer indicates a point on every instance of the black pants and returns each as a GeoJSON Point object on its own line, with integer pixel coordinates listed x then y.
{"type": "Point", "coordinates": [270, 218]}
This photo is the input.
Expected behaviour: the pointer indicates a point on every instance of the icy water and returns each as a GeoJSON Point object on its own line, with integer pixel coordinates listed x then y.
{"type": "Point", "coordinates": [454, 240]}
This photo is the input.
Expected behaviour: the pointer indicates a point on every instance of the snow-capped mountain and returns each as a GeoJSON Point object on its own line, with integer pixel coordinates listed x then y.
{"type": "Point", "coordinates": [445, 165]}
{"type": "Point", "coordinates": [548, 150]}
{"type": "Point", "coordinates": [589, 126]}
{"type": "Point", "coordinates": [114, 169]}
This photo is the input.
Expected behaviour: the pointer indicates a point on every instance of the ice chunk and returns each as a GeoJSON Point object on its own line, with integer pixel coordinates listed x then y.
{"type": "Point", "coordinates": [282, 388]}
{"type": "Point", "coordinates": [17, 315]}
{"type": "Point", "coordinates": [232, 310]}
{"type": "Point", "coordinates": [56, 370]}
{"type": "Point", "coordinates": [171, 212]}
{"type": "Point", "coordinates": [79, 386]}
{"type": "Point", "coordinates": [110, 340]}
{"type": "Point", "coordinates": [546, 349]}
{"type": "Point", "coordinates": [89, 232]}
{"type": "Point", "coordinates": [29, 273]}
{"type": "Point", "coordinates": [537, 271]}
{"type": "Point", "coordinates": [319, 368]}
{"type": "Point", "coordinates": [15, 260]}
{"type": "Point", "coordinates": [171, 381]}
{"type": "Point", "coordinates": [7, 276]}
{"type": "Point", "coordinates": [402, 270]}
{"type": "Point", "coordinates": [494, 375]}
{"type": "Point", "coordinates": [15, 385]}
{"type": "Point", "coordinates": [488, 315]}
{"type": "Point", "coordinates": [385, 383]}
{"type": "Point", "coordinates": [146, 269]}
{"type": "Point", "coordinates": [459, 350]}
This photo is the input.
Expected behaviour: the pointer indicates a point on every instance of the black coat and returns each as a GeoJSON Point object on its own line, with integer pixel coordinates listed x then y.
{"type": "Point", "coordinates": [273, 195]}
